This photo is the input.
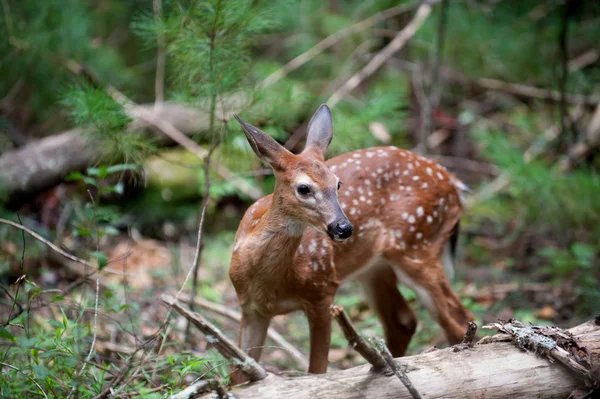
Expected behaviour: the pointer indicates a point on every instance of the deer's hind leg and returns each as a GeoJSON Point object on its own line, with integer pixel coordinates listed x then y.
{"type": "Point", "coordinates": [380, 286]}
{"type": "Point", "coordinates": [426, 277]}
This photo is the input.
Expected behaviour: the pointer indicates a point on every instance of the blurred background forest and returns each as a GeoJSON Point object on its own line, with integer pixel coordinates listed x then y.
{"type": "Point", "coordinates": [94, 95]}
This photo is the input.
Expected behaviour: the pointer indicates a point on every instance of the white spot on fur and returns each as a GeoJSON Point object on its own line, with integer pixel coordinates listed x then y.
{"type": "Point", "coordinates": [439, 176]}
{"type": "Point", "coordinates": [411, 219]}
{"type": "Point", "coordinates": [420, 211]}
{"type": "Point", "coordinates": [429, 219]}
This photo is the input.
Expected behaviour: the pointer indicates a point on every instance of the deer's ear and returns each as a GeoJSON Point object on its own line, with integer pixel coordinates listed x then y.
{"type": "Point", "coordinates": [267, 149]}
{"type": "Point", "coordinates": [320, 131]}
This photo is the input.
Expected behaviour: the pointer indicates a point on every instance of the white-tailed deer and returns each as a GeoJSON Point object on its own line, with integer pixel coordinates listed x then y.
{"type": "Point", "coordinates": [294, 247]}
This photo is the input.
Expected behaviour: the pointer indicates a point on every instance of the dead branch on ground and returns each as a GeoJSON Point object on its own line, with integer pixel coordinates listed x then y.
{"type": "Point", "coordinates": [396, 367]}
{"type": "Point", "coordinates": [223, 344]}
{"type": "Point", "coordinates": [357, 342]}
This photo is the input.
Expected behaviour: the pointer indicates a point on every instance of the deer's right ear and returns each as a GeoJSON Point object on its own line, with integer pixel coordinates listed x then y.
{"type": "Point", "coordinates": [267, 149]}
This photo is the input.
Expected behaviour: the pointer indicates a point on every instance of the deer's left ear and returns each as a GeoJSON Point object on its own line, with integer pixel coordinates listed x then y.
{"type": "Point", "coordinates": [320, 131]}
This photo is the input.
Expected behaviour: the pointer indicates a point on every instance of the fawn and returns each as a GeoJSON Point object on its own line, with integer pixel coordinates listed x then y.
{"type": "Point", "coordinates": [379, 215]}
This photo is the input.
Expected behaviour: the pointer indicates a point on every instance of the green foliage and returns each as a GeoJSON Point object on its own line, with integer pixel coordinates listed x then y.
{"type": "Point", "coordinates": [105, 120]}
{"type": "Point", "coordinates": [509, 43]}
{"type": "Point", "coordinates": [208, 44]}
{"type": "Point", "coordinates": [37, 42]}
{"type": "Point", "coordinates": [576, 264]}
{"type": "Point", "coordinates": [543, 194]}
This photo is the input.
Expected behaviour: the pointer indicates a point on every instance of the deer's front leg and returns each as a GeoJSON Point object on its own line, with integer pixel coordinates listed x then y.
{"type": "Point", "coordinates": [319, 320]}
{"type": "Point", "coordinates": [253, 333]}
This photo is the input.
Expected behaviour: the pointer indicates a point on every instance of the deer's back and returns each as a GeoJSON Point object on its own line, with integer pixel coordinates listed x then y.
{"type": "Point", "coordinates": [397, 201]}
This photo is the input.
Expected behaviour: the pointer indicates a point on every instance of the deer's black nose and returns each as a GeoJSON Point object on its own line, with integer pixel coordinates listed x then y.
{"type": "Point", "coordinates": [340, 230]}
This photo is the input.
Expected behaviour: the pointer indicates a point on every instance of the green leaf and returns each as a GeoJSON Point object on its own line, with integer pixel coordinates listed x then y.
{"type": "Point", "coordinates": [583, 253]}
{"type": "Point", "coordinates": [74, 176]}
{"type": "Point", "coordinates": [122, 167]}
{"type": "Point", "coordinates": [100, 171]}
{"type": "Point", "coordinates": [101, 258]}
{"type": "Point", "coordinates": [90, 180]}
{"type": "Point", "coordinates": [27, 343]}
{"type": "Point", "coordinates": [56, 298]}
{"type": "Point", "coordinates": [4, 333]}
{"type": "Point", "coordinates": [40, 371]}
{"type": "Point", "coordinates": [111, 231]}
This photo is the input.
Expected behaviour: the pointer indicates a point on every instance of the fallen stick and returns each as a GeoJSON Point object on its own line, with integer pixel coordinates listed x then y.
{"type": "Point", "coordinates": [216, 338]}
{"type": "Point", "coordinates": [357, 342]}
{"type": "Point", "coordinates": [396, 367]}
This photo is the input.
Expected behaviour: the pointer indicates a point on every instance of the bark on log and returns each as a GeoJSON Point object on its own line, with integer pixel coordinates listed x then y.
{"type": "Point", "coordinates": [44, 163]}
{"type": "Point", "coordinates": [490, 370]}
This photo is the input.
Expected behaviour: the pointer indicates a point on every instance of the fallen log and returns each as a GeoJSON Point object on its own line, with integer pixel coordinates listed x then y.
{"type": "Point", "coordinates": [491, 369]}
{"type": "Point", "coordinates": [44, 163]}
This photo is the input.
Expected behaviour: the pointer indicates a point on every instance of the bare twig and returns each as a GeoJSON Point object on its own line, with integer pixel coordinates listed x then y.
{"type": "Point", "coordinates": [385, 54]}
{"type": "Point", "coordinates": [223, 344]}
{"type": "Point", "coordinates": [522, 90]}
{"type": "Point", "coordinates": [20, 279]}
{"type": "Point", "coordinates": [356, 341]}
{"type": "Point", "coordinates": [92, 346]}
{"type": "Point", "coordinates": [26, 375]}
{"type": "Point", "coordinates": [159, 84]}
{"type": "Point", "coordinates": [564, 71]}
{"type": "Point", "coordinates": [435, 86]}
{"type": "Point", "coordinates": [583, 60]}
{"type": "Point", "coordinates": [331, 40]}
{"type": "Point", "coordinates": [57, 249]}
{"type": "Point", "coordinates": [200, 239]}
{"type": "Point", "coordinates": [397, 368]}
{"type": "Point", "coordinates": [467, 341]}
{"type": "Point", "coordinates": [46, 242]}
{"type": "Point", "coordinates": [467, 164]}
{"type": "Point", "coordinates": [236, 317]}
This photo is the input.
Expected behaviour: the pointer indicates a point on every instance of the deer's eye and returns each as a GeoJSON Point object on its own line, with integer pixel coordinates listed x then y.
{"type": "Point", "coordinates": [339, 184]}
{"type": "Point", "coordinates": [303, 189]}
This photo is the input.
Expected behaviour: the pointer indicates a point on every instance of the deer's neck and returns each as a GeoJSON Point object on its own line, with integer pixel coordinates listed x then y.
{"type": "Point", "coordinates": [279, 239]}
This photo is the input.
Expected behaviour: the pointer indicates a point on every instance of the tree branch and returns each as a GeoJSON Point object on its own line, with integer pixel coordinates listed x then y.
{"type": "Point", "coordinates": [223, 344]}
{"type": "Point", "coordinates": [332, 39]}
{"type": "Point", "coordinates": [385, 54]}
{"type": "Point", "coordinates": [357, 342]}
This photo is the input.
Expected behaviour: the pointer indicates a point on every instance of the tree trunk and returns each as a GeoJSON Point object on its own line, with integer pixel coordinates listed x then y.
{"type": "Point", "coordinates": [44, 163]}
{"type": "Point", "coordinates": [488, 370]}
